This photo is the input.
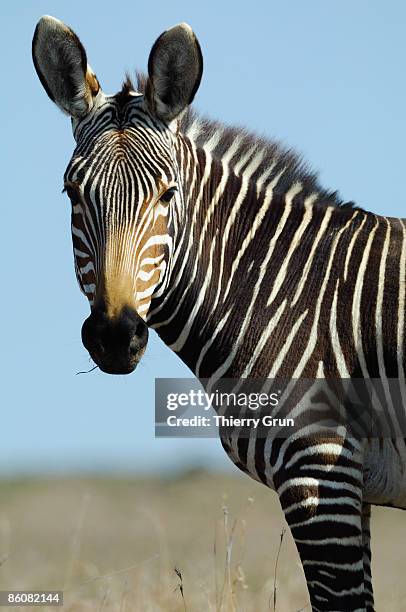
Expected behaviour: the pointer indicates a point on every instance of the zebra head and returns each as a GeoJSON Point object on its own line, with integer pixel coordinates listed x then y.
{"type": "Point", "coordinates": [123, 181]}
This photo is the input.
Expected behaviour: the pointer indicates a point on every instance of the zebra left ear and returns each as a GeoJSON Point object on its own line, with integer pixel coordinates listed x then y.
{"type": "Point", "coordinates": [175, 68]}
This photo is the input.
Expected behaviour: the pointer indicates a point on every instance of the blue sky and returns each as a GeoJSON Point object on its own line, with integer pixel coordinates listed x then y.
{"type": "Point", "coordinates": [327, 78]}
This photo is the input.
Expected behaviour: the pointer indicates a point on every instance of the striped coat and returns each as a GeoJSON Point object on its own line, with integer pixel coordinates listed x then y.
{"type": "Point", "coordinates": [247, 268]}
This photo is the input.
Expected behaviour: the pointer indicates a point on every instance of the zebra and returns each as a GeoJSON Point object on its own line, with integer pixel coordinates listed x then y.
{"type": "Point", "coordinates": [227, 245]}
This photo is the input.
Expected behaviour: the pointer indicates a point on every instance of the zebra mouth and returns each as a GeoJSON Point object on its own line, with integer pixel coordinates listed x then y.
{"type": "Point", "coordinates": [115, 364]}
{"type": "Point", "coordinates": [114, 369]}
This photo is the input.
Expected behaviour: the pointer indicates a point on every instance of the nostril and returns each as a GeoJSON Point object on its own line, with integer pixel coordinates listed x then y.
{"type": "Point", "coordinates": [86, 334]}
{"type": "Point", "coordinates": [134, 347]}
{"type": "Point", "coordinates": [141, 332]}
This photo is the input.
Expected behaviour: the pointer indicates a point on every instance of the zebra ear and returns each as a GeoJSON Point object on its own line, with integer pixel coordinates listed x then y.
{"type": "Point", "coordinates": [61, 64]}
{"type": "Point", "coordinates": [175, 68]}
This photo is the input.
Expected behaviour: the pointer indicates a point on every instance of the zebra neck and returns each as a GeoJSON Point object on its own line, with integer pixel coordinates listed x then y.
{"type": "Point", "coordinates": [220, 206]}
{"type": "Point", "coordinates": [254, 262]}
{"type": "Point", "coordinates": [211, 271]}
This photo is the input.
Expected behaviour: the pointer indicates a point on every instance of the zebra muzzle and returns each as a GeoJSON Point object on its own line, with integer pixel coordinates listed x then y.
{"type": "Point", "coordinates": [116, 344]}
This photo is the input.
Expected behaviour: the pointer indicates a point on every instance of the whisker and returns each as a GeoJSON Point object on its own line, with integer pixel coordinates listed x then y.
{"type": "Point", "coordinates": [87, 371]}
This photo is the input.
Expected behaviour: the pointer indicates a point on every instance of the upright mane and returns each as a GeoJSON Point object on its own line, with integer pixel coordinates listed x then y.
{"type": "Point", "coordinates": [273, 155]}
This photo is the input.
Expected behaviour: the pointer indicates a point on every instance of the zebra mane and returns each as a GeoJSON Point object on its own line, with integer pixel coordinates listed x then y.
{"type": "Point", "coordinates": [274, 156]}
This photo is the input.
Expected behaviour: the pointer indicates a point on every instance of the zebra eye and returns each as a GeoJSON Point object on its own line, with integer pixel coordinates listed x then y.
{"type": "Point", "coordinates": [71, 192]}
{"type": "Point", "coordinates": [168, 195]}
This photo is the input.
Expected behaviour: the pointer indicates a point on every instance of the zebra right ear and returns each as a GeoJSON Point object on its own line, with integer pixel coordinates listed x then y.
{"type": "Point", "coordinates": [61, 64]}
{"type": "Point", "coordinates": [175, 68]}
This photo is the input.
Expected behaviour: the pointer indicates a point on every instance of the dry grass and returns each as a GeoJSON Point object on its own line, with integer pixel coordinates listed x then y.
{"type": "Point", "coordinates": [196, 543]}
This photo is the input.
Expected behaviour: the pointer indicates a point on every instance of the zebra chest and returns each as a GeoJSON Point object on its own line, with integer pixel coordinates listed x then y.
{"type": "Point", "coordinates": [250, 454]}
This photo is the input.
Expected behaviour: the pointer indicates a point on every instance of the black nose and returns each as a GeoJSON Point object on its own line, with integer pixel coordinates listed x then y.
{"type": "Point", "coordinates": [115, 344]}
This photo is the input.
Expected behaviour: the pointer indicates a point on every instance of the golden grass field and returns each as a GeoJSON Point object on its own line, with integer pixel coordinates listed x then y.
{"type": "Point", "coordinates": [113, 545]}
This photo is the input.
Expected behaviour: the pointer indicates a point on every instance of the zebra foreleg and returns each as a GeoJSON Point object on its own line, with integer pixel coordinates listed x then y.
{"type": "Point", "coordinates": [366, 546]}
{"type": "Point", "coordinates": [325, 517]}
